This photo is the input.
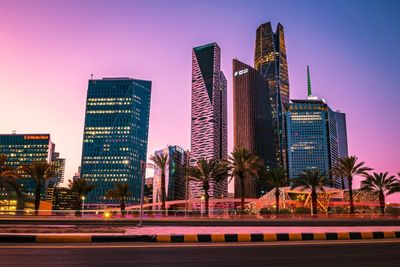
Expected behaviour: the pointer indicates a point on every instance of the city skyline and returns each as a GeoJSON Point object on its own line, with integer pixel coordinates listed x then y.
{"type": "Point", "coordinates": [338, 69]}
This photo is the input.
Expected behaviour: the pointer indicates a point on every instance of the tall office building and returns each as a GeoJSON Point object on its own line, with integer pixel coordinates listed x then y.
{"type": "Point", "coordinates": [312, 137]}
{"type": "Point", "coordinates": [270, 60]}
{"type": "Point", "coordinates": [209, 135]}
{"type": "Point", "coordinates": [23, 149]}
{"type": "Point", "coordinates": [342, 134]}
{"type": "Point", "coordinates": [59, 168]}
{"type": "Point", "coordinates": [342, 140]}
{"type": "Point", "coordinates": [252, 122]}
{"type": "Point", "coordinates": [115, 136]}
{"type": "Point", "coordinates": [175, 179]}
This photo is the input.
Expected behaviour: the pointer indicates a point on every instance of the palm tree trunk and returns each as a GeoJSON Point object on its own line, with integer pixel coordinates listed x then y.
{"type": "Point", "coordinates": [37, 196]}
{"type": "Point", "coordinates": [206, 187]}
{"type": "Point", "coordinates": [382, 202]}
{"type": "Point", "coordinates": [277, 200]}
{"type": "Point", "coordinates": [314, 197]}
{"type": "Point", "coordinates": [163, 209]}
{"type": "Point", "coordinates": [122, 206]}
{"type": "Point", "coordinates": [206, 198]}
{"type": "Point", "coordinates": [241, 178]}
{"type": "Point", "coordinates": [350, 179]}
{"type": "Point", "coordinates": [78, 206]}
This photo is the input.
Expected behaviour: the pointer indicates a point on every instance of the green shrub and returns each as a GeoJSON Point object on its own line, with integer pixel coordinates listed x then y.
{"type": "Point", "coordinates": [266, 211]}
{"type": "Point", "coordinates": [392, 210]}
{"type": "Point", "coordinates": [302, 210]}
{"type": "Point", "coordinates": [284, 211]}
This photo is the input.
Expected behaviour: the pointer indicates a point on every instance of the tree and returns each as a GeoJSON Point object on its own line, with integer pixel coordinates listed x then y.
{"type": "Point", "coordinates": [9, 176]}
{"type": "Point", "coordinates": [40, 172]}
{"type": "Point", "coordinates": [205, 172]}
{"type": "Point", "coordinates": [81, 187]}
{"type": "Point", "coordinates": [161, 161]}
{"type": "Point", "coordinates": [349, 167]}
{"type": "Point", "coordinates": [277, 178]}
{"type": "Point", "coordinates": [311, 180]}
{"type": "Point", "coordinates": [121, 193]}
{"type": "Point", "coordinates": [241, 164]}
{"type": "Point", "coordinates": [382, 185]}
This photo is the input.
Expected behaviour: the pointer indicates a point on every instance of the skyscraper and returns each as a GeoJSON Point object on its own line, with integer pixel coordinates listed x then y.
{"type": "Point", "coordinates": [209, 134]}
{"type": "Point", "coordinates": [342, 140]}
{"type": "Point", "coordinates": [175, 179]}
{"type": "Point", "coordinates": [115, 135]}
{"type": "Point", "coordinates": [23, 149]}
{"type": "Point", "coordinates": [252, 121]}
{"type": "Point", "coordinates": [59, 168]}
{"type": "Point", "coordinates": [270, 60]}
{"type": "Point", "coordinates": [312, 136]}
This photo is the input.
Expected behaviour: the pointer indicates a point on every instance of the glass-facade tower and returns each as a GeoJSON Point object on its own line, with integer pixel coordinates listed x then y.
{"type": "Point", "coordinates": [175, 179]}
{"type": "Point", "coordinates": [209, 133]}
{"type": "Point", "coordinates": [23, 149]}
{"type": "Point", "coordinates": [270, 60]}
{"type": "Point", "coordinates": [312, 138]}
{"type": "Point", "coordinates": [115, 135]}
{"type": "Point", "coordinates": [252, 122]}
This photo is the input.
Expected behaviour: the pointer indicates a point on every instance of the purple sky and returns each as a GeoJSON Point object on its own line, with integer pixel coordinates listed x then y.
{"type": "Point", "coordinates": [48, 49]}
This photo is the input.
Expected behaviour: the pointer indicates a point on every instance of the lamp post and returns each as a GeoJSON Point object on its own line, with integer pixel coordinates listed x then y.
{"type": "Point", "coordinates": [83, 204]}
{"type": "Point", "coordinates": [143, 172]}
{"type": "Point", "coordinates": [187, 181]}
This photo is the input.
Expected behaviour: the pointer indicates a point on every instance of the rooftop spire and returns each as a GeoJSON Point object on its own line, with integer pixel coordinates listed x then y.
{"type": "Point", "coordinates": [308, 82]}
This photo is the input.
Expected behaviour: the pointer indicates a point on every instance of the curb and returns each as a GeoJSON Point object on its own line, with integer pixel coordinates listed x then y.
{"type": "Point", "coordinates": [200, 238]}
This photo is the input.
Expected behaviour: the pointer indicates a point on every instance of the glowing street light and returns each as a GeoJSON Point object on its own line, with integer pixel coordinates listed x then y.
{"type": "Point", "coordinates": [83, 203]}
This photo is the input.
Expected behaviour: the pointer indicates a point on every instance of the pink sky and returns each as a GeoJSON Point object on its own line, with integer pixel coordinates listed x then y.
{"type": "Point", "coordinates": [48, 49]}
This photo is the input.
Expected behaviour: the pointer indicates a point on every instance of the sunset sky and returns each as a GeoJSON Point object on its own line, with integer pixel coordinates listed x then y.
{"type": "Point", "coordinates": [48, 49]}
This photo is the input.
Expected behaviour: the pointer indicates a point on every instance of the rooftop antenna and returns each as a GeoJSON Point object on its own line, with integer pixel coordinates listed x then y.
{"type": "Point", "coordinates": [91, 76]}
{"type": "Point", "coordinates": [14, 131]}
{"type": "Point", "coordinates": [308, 82]}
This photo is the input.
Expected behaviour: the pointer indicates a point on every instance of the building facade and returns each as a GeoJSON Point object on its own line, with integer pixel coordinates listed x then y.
{"type": "Point", "coordinates": [59, 168]}
{"type": "Point", "coordinates": [62, 199]}
{"type": "Point", "coordinates": [175, 179]}
{"type": "Point", "coordinates": [209, 134]}
{"type": "Point", "coordinates": [252, 122]}
{"type": "Point", "coordinates": [312, 138]}
{"type": "Point", "coordinates": [342, 140]}
{"type": "Point", "coordinates": [271, 61]}
{"type": "Point", "coordinates": [115, 136]}
{"type": "Point", "coordinates": [23, 149]}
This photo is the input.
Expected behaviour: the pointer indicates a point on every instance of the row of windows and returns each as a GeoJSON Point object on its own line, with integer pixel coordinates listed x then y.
{"type": "Point", "coordinates": [108, 111]}
{"type": "Point", "coordinates": [110, 103]}
{"type": "Point", "coordinates": [115, 99]}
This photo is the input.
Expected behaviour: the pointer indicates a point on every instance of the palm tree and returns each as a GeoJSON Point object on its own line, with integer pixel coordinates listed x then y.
{"type": "Point", "coordinates": [241, 164]}
{"type": "Point", "coordinates": [81, 187]}
{"type": "Point", "coordinates": [381, 184]}
{"type": "Point", "coordinates": [40, 172]}
{"type": "Point", "coordinates": [161, 161]}
{"type": "Point", "coordinates": [277, 178]}
{"type": "Point", "coordinates": [311, 180]}
{"type": "Point", "coordinates": [121, 193]}
{"type": "Point", "coordinates": [349, 167]}
{"type": "Point", "coordinates": [205, 172]}
{"type": "Point", "coordinates": [8, 176]}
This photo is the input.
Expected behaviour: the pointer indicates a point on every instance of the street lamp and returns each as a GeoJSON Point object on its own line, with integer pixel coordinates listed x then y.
{"type": "Point", "coordinates": [143, 174]}
{"type": "Point", "coordinates": [83, 204]}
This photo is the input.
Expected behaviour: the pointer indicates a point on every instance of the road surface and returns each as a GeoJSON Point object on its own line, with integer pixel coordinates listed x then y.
{"type": "Point", "coordinates": [310, 253]}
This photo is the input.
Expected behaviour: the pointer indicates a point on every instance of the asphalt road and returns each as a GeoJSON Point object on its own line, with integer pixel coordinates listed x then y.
{"type": "Point", "coordinates": [205, 222]}
{"type": "Point", "coordinates": [314, 253]}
